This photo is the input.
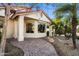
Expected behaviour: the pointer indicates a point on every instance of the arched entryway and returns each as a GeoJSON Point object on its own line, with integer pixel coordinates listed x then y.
{"type": "Point", "coordinates": [29, 28]}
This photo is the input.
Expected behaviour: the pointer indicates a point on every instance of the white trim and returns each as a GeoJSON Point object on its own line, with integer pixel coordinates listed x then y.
{"type": "Point", "coordinates": [34, 35]}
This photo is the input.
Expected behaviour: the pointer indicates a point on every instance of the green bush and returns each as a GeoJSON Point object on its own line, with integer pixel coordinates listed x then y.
{"type": "Point", "coordinates": [59, 30]}
{"type": "Point", "coordinates": [69, 30]}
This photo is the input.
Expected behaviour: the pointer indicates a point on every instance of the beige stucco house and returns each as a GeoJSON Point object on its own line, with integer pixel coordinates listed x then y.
{"type": "Point", "coordinates": [26, 23]}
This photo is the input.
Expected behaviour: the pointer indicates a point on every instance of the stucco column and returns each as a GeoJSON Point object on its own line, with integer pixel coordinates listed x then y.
{"type": "Point", "coordinates": [15, 29]}
{"type": "Point", "coordinates": [46, 28]}
{"type": "Point", "coordinates": [21, 28]}
{"type": "Point", "coordinates": [50, 30]}
{"type": "Point", "coordinates": [36, 27]}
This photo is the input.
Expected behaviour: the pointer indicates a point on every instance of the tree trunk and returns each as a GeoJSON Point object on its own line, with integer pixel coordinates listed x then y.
{"type": "Point", "coordinates": [65, 30]}
{"type": "Point", "coordinates": [74, 24]}
{"type": "Point", "coordinates": [3, 40]}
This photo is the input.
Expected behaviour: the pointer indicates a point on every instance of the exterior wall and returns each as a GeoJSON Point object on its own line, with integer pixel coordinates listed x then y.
{"type": "Point", "coordinates": [12, 26]}
{"type": "Point", "coordinates": [15, 29]}
{"type": "Point", "coordinates": [35, 34]}
{"type": "Point", "coordinates": [39, 16]}
{"type": "Point", "coordinates": [10, 29]}
{"type": "Point", "coordinates": [2, 12]}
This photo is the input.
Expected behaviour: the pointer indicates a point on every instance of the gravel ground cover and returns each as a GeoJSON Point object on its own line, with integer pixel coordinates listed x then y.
{"type": "Point", "coordinates": [65, 47]}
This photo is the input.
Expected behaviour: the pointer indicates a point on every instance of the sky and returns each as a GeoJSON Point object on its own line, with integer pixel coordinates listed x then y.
{"type": "Point", "coordinates": [47, 8]}
{"type": "Point", "coordinates": [50, 8]}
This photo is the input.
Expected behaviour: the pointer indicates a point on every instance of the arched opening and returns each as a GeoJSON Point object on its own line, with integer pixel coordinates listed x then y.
{"type": "Point", "coordinates": [29, 28]}
{"type": "Point", "coordinates": [41, 28]}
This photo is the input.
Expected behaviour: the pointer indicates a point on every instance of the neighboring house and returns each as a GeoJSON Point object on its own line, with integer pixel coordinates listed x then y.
{"type": "Point", "coordinates": [26, 23]}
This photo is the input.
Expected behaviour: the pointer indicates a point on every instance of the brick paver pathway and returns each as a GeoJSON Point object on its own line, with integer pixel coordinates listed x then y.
{"type": "Point", "coordinates": [36, 47]}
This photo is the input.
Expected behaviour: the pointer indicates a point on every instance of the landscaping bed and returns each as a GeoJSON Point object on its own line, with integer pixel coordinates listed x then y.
{"type": "Point", "coordinates": [11, 50]}
{"type": "Point", "coordinates": [65, 48]}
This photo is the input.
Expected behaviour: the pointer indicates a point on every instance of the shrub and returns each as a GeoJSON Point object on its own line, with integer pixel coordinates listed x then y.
{"type": "Point", "coordinates": [59, 30]}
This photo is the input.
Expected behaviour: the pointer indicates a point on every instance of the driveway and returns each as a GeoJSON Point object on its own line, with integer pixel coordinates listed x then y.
{"type": "Point", "coordinates": [36, 47]}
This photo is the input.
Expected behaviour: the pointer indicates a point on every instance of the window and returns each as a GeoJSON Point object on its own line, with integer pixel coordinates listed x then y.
{"type": "Point", "coordinates": [29, 28]}
{"type": "Point", "coordinates": [41, 28]}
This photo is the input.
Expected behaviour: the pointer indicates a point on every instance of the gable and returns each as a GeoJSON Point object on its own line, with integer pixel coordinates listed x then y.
{"type": "Point", "coordinates": [39, 16]}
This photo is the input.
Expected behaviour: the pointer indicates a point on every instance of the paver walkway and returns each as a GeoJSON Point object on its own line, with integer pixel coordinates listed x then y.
{"type": "Point", "coordinates": [36, 47]}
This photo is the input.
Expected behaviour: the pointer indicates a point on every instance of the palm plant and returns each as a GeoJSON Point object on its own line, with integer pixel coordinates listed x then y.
{"type": "Point", "coordinates": [57, 25]}
{"type": "Point", "coordinates": [70, 9]}
{"type": "Point", "coordinates": [67, 26]}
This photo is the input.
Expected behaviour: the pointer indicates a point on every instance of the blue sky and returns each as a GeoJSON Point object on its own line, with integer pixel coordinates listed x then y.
{"type": "Point", "coordinates": [48, 9]}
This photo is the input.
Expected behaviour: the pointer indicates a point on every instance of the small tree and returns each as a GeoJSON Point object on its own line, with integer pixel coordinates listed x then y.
{"type": "Point", "coordinates": [70, 9]}
{"type": "Point", "coordinates": [3, 40]}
